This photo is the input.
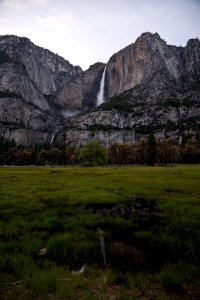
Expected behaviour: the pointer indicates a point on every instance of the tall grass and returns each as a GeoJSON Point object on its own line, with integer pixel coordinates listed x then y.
{"type": "Point", "coordinates": [150, 217]}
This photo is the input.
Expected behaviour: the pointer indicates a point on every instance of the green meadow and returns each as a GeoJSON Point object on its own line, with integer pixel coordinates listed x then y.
{"type": "Point", "coordinates": [100, 233]}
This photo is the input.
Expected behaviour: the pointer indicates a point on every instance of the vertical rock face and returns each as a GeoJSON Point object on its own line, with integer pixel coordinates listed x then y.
{"type": "Point", "coordinates": [15, 82]}
{"type": "Point", "coordinates": [81, 93]}
{"type": "Point", "coordinates": [192, 63]}
{"type": "Point", "coordinates": [47, 70]}
{"type": "Point", "coordinates": [30, 77]}
{"type": "Point", "coordinates": [38, 88]}
{"type": "Point", "coordinates": [137, 63]}
{"type": "Point", "coordinates": [152, 87]}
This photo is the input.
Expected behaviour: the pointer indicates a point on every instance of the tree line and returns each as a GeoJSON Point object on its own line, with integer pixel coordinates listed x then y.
{"type": "Point", "coordinates": [149, 151]}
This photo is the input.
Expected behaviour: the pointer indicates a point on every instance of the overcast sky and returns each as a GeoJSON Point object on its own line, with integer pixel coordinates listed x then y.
{"type": "Point", "coordinates": [87, 31]}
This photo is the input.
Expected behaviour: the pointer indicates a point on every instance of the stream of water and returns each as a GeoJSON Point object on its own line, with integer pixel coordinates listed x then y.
{"type": "Point", "coordinates": [100, 95]}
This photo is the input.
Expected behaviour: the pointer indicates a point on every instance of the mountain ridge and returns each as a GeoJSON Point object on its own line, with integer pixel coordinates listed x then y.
{"type": "Point", "coordinates": [148, 84]}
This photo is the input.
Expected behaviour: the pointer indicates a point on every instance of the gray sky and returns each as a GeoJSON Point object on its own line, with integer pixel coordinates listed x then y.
{"type": "Point", "coordinates": [87, 31]}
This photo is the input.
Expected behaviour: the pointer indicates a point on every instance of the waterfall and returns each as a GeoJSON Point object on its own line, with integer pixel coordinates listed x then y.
{"type": "Point", "coordinates": [53, 137]}
{"type": "Point", "coordinates": [100, 95]}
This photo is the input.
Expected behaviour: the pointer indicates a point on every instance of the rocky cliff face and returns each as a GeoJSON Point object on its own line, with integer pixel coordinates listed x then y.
{"type": "Point", "coordinates": [149, 86]}
{"type": "Point", "coordinates": [47, 70]}
{"type": "Point", "coordinates": [192, 64]}
{"type": "Point", "coordinates": [30, 78]}
{"type": "Point", "coordinates": [138, 62]}
{"type": "Point", "coordinates": [134, 114]}
{"type": "Point", "coordinates": [153, 87]}
{"type": "Point", "coordinates": [81, 93]}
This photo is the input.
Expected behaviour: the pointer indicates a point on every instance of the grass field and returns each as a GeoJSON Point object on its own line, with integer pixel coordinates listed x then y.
{"type": "Point", "coordinates": [149, 219]}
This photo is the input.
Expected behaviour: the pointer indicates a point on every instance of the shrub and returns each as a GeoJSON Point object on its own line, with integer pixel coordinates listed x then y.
{"type": "Point", "coordinates": [171, 280]}
{"type": "Point", "coordinates": [93, 154]}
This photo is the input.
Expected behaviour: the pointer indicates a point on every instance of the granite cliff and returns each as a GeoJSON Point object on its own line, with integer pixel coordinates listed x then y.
{"type": "Point", "coordinates": [30, 78]}
{"type": "Point", "coordinates": [137, 63]}
{"type": "Point", "coordinates": [149, 86]}
{"type": "Point", "coordinates": [81, 93]}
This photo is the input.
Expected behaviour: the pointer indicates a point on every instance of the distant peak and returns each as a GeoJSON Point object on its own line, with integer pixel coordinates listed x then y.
{"type": "Point", "coordinates": [193, 42]}
{"type": "Point", "coordinates": [149, 34]}
{"type": "Point", "coordinates": [96, 65]}
{"type": "Point", "coordinates": [149, 37]}
{"type": "Point", "coordinates": [11, 37]}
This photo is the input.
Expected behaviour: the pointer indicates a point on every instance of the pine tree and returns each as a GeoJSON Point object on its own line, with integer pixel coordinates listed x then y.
{"type": "Point", "coordinates": [151, 150]}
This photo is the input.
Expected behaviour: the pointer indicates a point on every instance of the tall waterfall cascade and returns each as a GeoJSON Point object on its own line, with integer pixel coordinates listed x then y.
{"type": "Point", "coordinates": [100, 95]}
{"type": "Point", "coordinates": [53, 137]}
